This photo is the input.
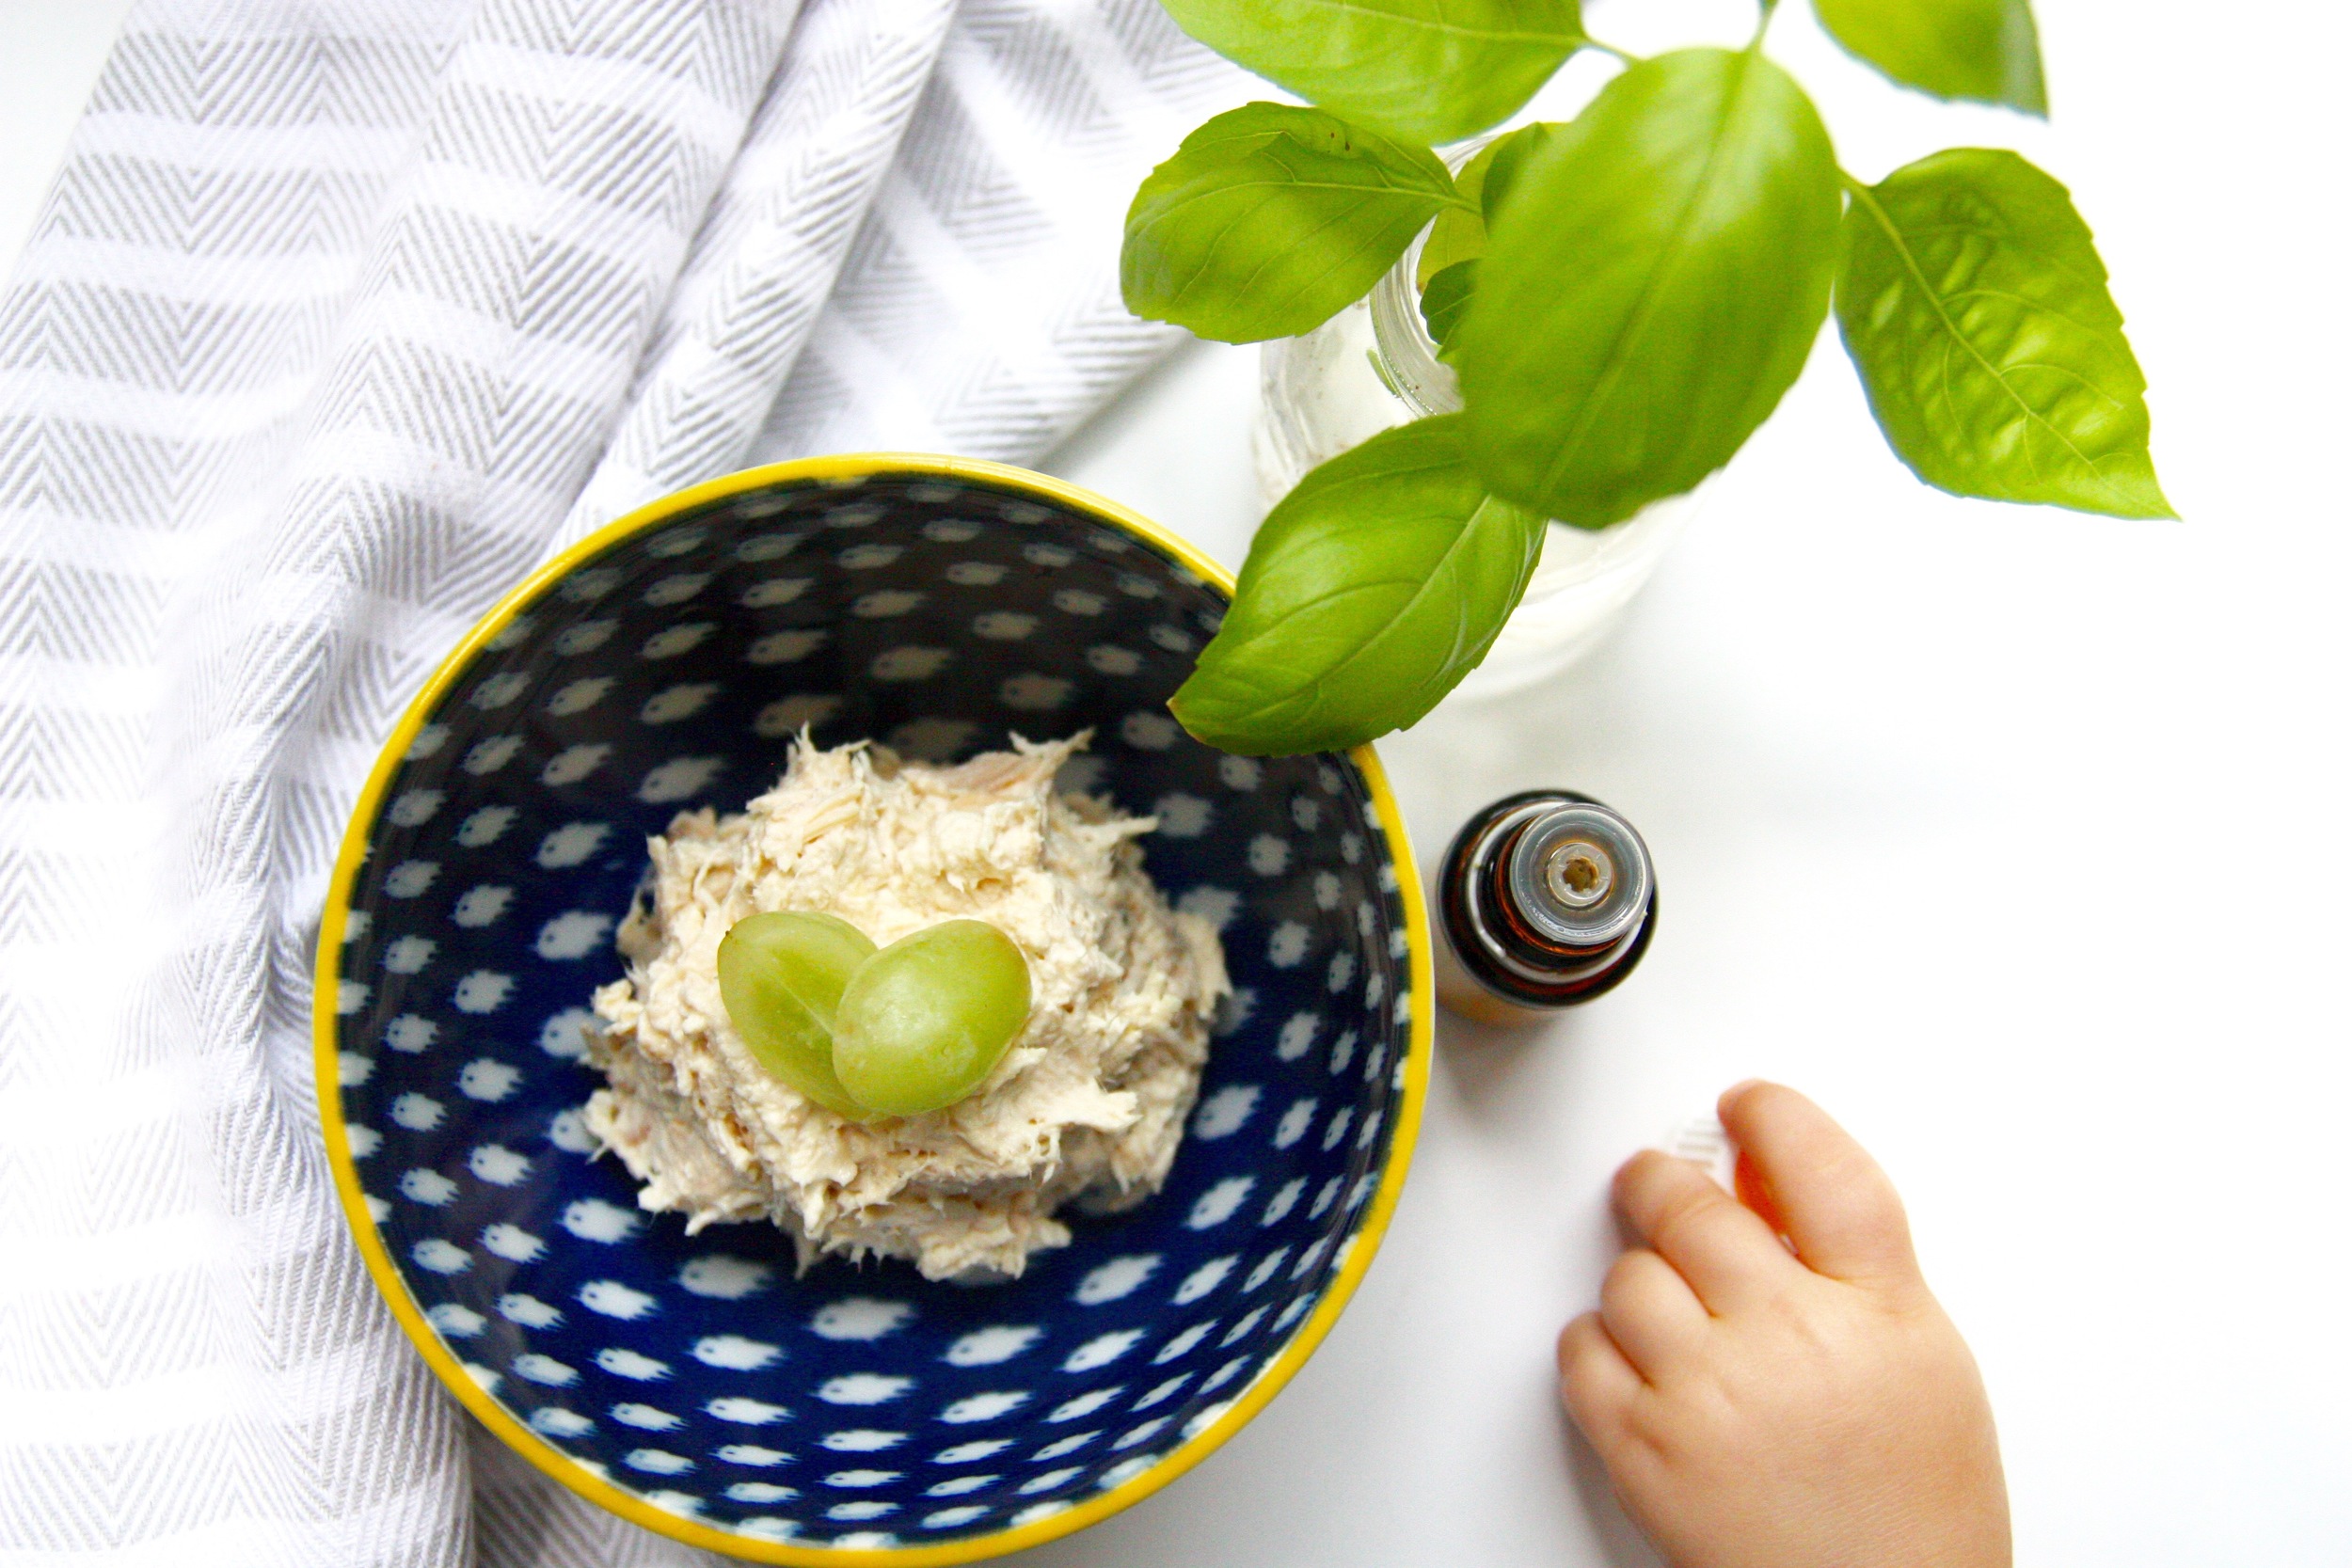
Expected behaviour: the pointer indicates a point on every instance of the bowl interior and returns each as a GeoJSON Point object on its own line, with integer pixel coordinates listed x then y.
{"type": "Point", "coordinates": [850, 1405]}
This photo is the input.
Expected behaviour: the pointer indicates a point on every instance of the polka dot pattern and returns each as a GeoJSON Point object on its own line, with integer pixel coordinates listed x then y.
{"type": "Point", "coordinates": [848, 1405]}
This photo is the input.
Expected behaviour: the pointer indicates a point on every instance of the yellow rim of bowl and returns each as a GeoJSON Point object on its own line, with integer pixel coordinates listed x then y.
{"type": "Point", "coordinates": [563, 1468]}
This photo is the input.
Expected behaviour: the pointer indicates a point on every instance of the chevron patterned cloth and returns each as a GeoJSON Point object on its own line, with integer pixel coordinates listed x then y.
{"type": "Point", "coordinates": [343, 314]}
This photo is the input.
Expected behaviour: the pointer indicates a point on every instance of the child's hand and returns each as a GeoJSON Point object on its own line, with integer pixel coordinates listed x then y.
{"type": "Point", "coordinates": [1758, 1410]}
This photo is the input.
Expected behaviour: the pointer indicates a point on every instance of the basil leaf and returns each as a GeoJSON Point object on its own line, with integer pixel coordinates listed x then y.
{"type": "Point", "coordinates": [1270, 218]}
{"type": "Point", "coordinates": [1459, 232]}
{"type": "Point", "coordinates": [1445, 300]}
{"type": "Point", "coordinates": [1376, 586]}
{"type": "Point", "coordinates": [1511, 153]}
{"type": "Point", "coordinates": [1429, 70]}
{"type": "Point", "coordinates": [1651, 288]}
{"type": "Point", "coordinates": [1975, 307]}
{"type": "Point", "coordinates": [1980, 48]}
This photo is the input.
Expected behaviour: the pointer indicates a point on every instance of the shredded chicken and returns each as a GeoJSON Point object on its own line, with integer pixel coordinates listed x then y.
{"type": "Point", "coordinates": [1090, 1098]}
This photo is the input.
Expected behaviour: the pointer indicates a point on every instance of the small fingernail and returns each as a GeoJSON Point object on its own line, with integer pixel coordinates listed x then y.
{"type": "Point", "coordinates": [1742, 1087]}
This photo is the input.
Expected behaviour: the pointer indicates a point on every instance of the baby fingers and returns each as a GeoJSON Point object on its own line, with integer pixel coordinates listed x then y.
{"type": "Point", "coordinates": [1596, 1382]}
{"type": "Point", "coordinates": [1650, 1312]}
{"type": "Point", "coordinates": [1728, 1255]}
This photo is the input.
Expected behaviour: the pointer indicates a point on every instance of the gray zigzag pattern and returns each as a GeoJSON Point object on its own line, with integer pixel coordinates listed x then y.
{"type": "Point", "coordinates": [770, 251]}
{"type": "Point", "coordinates": [1033, 337]}
{"type": "Point", "coordinates": [341, 315]}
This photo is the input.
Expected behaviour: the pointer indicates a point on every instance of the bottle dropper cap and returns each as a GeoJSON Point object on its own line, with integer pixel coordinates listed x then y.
{"type": "Point", "coordinates": [1703, 1142]}
{"type": "Point", "coordinates": [1581, 876]}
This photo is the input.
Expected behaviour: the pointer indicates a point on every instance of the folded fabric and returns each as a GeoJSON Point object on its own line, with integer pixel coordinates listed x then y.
{"type": "Point", "coordinates": [341, 315]}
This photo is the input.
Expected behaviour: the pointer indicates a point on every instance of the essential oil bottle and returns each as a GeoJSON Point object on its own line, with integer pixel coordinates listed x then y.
{"type": "Point", "coordinates": [1546, 898]}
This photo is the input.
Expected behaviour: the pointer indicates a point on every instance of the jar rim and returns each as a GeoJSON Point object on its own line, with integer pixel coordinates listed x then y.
{"type": "Point", "coordinates": [1408, 355]}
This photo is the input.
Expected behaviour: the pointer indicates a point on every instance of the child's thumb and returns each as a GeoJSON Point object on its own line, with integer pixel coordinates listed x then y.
{"type": "Point", "coordinates": [1825, 1192]}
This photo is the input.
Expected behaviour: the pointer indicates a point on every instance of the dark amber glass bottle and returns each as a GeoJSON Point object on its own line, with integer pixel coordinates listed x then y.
{"type": "Point", "coordinates": [1546, 900]}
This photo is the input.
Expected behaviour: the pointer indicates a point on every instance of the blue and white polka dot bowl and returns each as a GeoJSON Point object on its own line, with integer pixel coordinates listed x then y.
{"type": "Point", "coordinates": [851, 1415]}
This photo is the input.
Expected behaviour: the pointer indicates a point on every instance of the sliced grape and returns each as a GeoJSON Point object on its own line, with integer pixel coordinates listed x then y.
{"type": "Point", "coordinates": [925, 1020]}
{"type": "Point", "coordinates": [781, 975]}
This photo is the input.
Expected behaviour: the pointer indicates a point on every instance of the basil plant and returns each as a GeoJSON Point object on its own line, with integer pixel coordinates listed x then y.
{"type": "Point", "coordinates": [1623, 298]}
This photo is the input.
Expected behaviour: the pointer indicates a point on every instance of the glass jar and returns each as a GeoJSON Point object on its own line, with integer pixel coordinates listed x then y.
{"type": "Point", "coordinates": [1373, 366]}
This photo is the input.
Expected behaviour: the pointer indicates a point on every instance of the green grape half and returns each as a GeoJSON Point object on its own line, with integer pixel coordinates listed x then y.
{"type": "Point", "coordinates": [781, 975]}
{"type": "Point", "coordinates": [926, 1020]}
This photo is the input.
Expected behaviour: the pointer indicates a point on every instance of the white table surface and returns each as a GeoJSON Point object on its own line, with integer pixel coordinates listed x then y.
{"type": "Point", "coordinates": [2017, 837]}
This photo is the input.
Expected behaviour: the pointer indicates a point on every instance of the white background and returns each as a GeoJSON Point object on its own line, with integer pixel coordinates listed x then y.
{"type": "Point", "coordinates": [2016, 837]}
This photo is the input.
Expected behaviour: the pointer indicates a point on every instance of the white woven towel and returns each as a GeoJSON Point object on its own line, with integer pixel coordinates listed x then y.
{"type": "Point", "coordinates": [343, 313]}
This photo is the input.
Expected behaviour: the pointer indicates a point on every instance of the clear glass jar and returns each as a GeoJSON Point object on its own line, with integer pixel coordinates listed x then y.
{"type": "Point", "coordinates": [1373, 366]}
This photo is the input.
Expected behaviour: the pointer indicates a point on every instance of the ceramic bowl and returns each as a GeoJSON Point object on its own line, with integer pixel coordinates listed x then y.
{"type": "Point", "coordinates": [697, 1384]}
